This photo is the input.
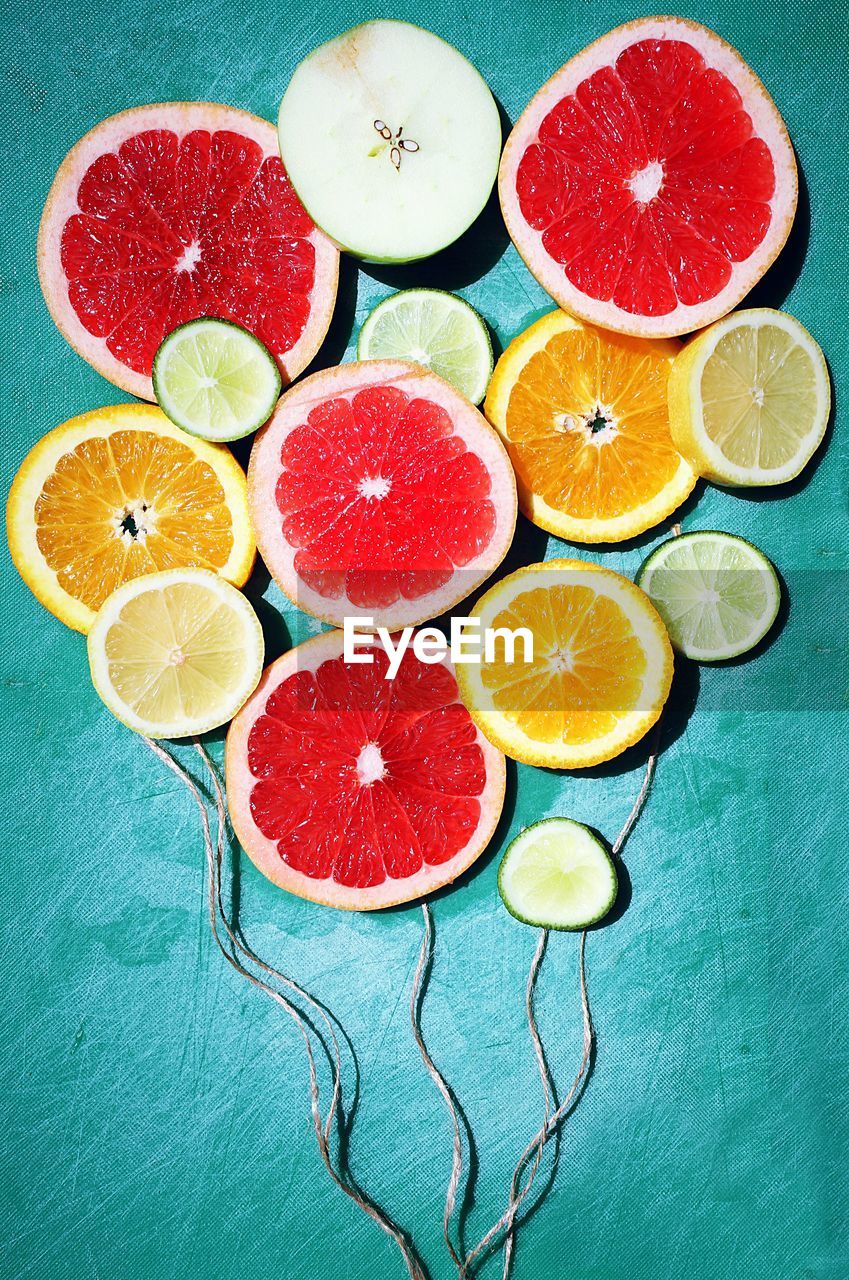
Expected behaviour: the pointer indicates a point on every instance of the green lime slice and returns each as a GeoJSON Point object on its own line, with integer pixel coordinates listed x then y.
{"type": "Point", "coordinates": [215, 380]}
{"type": "Point", "coordinates": [717, 594]}
{"type": "Point", "coordinates": [557, 875]}
{"type": "Point", "coordinates": [434, 329]}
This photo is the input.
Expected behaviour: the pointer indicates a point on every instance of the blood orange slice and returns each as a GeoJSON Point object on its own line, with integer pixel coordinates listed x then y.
{"type": "Point", "coordinates": [357, 791]}
{"type": "Point", "coordinates": [169, 212]}
{"type": "Point", "coordinates": [650, 183]}
{"type": "Point", "coordinates": [377, 490]}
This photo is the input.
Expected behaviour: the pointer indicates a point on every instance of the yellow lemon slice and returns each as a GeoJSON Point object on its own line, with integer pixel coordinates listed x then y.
{"type": "Point", "coordinates": [600, 672]}
{"type": "Point", "coordinates": [121, 492]}
{"type": "Point", "coordinates": [176, 653]}
{"type": "Point", "coordinates": [749, 399]}
{"type": "Point", "coordinates": [584, 416]}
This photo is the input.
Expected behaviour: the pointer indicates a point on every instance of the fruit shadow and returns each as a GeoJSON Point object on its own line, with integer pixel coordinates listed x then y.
{"type": "Point", "coordinates": [462, 263]}
{"type": "Point", "coordinates": [774, 287]}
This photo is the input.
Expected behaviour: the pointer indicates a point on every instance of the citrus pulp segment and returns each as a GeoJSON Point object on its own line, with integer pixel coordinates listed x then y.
{"type": "Point", "coordinates": [168, 212]}
{"type": "Point", "coordinates": [434, 329]}
{"type": "Point", "coordinates": [376, 490]}
{"type": "Point", "coordinates": [175, 654]}
{"type": "Point", "coordinates": [717, 594]}
{"type": "Point", "coordinates": [650, 182]}
{"type": "Point", "coordinates": [215, 380]}
{"type": "Point", "coordinates": [585, 419]}
{"type": "Point", "coordinates": [118, 493]}
{"type": "Point", "coordinates": [557, 875]}
{"type": "Point", "coordinates": [599, 675]}
{"type": "Point", "coordinates": [391, 139]}
{"type": "Point", "coordinates": [749, 399]}
{"type": "Point", "coordinates": [357, 791]}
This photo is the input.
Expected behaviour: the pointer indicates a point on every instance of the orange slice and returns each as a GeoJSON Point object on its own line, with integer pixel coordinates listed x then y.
{"type": "Point", "coordinates": [584, 416]}
{"type": "Point", "coordinates": [121, 492]}
{"type": "Point", "coordinates": [599, 674]}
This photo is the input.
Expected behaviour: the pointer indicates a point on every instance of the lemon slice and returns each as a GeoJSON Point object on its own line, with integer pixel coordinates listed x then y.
{"type": "Point", "coordinates": [557, 875]}
{"type": "Point", "coordinates": [598, 676]}
{"type": "Point", "coordinates": [749, 399]}
{"type": "Point", "coordinates": [176, 653]}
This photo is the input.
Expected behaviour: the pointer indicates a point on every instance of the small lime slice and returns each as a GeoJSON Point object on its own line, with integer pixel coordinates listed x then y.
{"type": "Point", "coordinates": [434, 329]}
{"type": "Point", "coordinates": [215, 380]}
{"type": "Point", "coordinates": [557, 875]}
{"type": "Point", "coordinates": [717, 594]}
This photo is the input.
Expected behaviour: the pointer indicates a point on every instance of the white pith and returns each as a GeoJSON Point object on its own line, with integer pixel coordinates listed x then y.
{"type": "Point", "coordinates": [767, 124]}
{"type": "Point", "coordinates": [264, 853]}
{"type": "Point", "coordinates": [398, 76]}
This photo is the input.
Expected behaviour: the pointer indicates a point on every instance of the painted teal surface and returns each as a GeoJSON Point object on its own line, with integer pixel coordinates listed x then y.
{"type": "Point", "coordinates": [153, 1107]}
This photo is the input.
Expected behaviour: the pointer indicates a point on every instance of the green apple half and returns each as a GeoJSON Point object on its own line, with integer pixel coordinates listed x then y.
{"type": "Point", "coordinates": [391, 140]}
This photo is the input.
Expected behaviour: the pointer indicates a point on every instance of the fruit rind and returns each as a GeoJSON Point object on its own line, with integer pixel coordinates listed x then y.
{"type": "Point", "coordinates": [264, 468]}
{"type": "Point", "coordinates": [107, 615]}
{"type": "Point", "coordinates": [42, 458]}
{"type": "Point", "coordinates": [768, 122]}
{"type": "Point", "coordinates": [263, 852]}
{"type": "Point", "coordinates": [629, 525]}
{"type": "Point", "coordinates": [763, 564]}
{"type": "Point", "coordinates": [520, 746]}
{"type": "Point", "coordinates": [61, 202]}
{"type": "Point", "coordinates": [685, 414]}
{"type": "Point", "coordinates": [474, 393]}
{"type": "Point", "coordinates": [590, 840]}
{"type": "Point", "coordinates": [166, 402]}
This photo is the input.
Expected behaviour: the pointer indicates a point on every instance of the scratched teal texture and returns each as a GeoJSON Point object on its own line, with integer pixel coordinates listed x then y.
{"type": "Point", "coordinates": [152, 1106]}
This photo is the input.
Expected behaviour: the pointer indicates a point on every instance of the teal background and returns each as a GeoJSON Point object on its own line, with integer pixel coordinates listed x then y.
{"type": "Point", "coordinates": [152, 1106]}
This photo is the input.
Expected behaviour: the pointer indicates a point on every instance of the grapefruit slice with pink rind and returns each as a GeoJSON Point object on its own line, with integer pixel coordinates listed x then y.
{"type": "Point", "coordinates": [356, 791]}
{"type": "Point", "coordinates": [651, 182]}
{"type": "Point", "coordinates": [376, 490]}
{"type": "Point", "coordinates": [169, 212]}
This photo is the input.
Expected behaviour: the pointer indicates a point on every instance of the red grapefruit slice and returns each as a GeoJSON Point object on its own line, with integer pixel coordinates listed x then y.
{"type": "Point", "coordinates": [377, 490]}
{"type": "Point", "coordinates": [650, 183]}
{"type": "Point", "coordinates": [356, 791]}
{"type": "Point", "coordinates": [169, 212]}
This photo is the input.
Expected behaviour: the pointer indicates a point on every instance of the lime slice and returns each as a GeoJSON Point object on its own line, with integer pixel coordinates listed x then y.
{"type": "Point", "coordinates": [176, 653]}
{"type": "Point", "coordinates": [717, 594]}
{"type": "Point", "coordinates": [749, 399]}
{"type": "Point", "coordinates": [215, 380]}
{"type": "Point", "coordinates": [557, 875]}
{"type": "Point", "coordinates": [435, 329]}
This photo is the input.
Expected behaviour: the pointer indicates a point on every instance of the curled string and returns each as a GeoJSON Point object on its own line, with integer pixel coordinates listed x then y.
{"type": "Point", "coordinates": [416, 997]}
{"type": "Point", "coordinates": [531, 1158]}
{"type": "Point", "coordinates": [237, 948]}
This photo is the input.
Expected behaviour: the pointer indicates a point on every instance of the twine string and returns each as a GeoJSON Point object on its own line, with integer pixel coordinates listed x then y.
{"type": "Point", "coordinates": [322, 1127]}
{"type": "Point", "coordinates": [530, 1160]}
{"type": "Point", "coordinates": [416, 999]}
